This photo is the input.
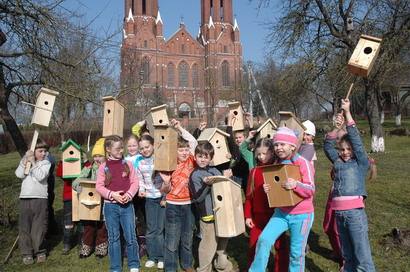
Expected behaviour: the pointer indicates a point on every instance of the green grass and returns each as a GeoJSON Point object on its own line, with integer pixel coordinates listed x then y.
{"type": "Point", "coordinates": [387, 206]}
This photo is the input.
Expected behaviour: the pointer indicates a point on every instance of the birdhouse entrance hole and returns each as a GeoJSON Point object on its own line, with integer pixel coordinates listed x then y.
{"type": "Point", "coordinates": [235, 112]}
{"type": "Point", "coordinates": [45, 102]}
{"type": "Point", "coordinates": [367, 50]}
{"type": "Point", "coordinates": [71, 152]}
{"type": "Point", "coordinates": [162, 137]}
{"type": "Point", "coordinates": [90, 194]}
{"type": "Point", "coordinates": [219, 197]}
{"type": "Point", "coordinates": [109, 111]}
{"type": "Point", "coordinates": [268, 135]}
{"type": "Point", "coordinates": [277, 179]}
{"type": "Point", "coordinates": [160, 121]}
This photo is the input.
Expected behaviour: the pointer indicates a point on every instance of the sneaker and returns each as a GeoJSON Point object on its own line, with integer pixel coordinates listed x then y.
{"type": "Point", "coordinates": [41, 258]}
{"type": "Point", "coordinates": [134, 270]}
{"type": "Point", "coordinates": [27, 260]}
{"type": "Point", "coordinates": [160, 265]}
{"type": "Point", "coordinates": [149, 264]}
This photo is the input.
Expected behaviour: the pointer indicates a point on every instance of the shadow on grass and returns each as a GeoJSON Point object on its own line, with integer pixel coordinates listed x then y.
{"type": "Point", "coordinates": [315, 246]}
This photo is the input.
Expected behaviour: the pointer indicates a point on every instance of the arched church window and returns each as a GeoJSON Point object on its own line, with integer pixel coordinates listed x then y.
{"type": "Point", "coordinates": [225, 74]}
{"type": "Point", "coordinates": [195, 76]}
{"type": "Point", "coordinates": [171, 74]}
{"type": "Point", "coordinates": [183, 74]}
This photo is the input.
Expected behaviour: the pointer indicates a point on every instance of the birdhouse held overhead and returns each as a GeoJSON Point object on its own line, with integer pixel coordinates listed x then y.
{"type": "Point", "coordinates": [71, 159]}
{"type": "Point", "coordinates": [288, 119]}
{"type": "Point", "coordinates": [113, 117]}
{"type": "Point", "coordinates": [266, 130]}
{"type": "Point", "coordinates": [364, 55]}
{"type": "Point", "coordinates": [228, 209]}
{"type": "Point", "coordinates": [44, 107]}
{"type": "Point", "coordinates": [276, 176]}
{"type": "Point", "coordinates": [165, 148]}
{"type": "Point", "coordinates": [87, 204]}
{"type": "Point", "coordinates": [157, 116]}
{"type": "Point", "coordinates": [217, 138]}
{"type": "Point", "coordinates": [238, 123]}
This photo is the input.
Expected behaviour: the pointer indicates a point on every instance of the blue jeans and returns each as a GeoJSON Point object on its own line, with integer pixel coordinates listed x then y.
{"type": "Point", "coordinates": [154, 235]}
{"type": "Point", "coordinates": [179, 225]}
{"type": "Point", "coordinates": [353, 228]}
{"type": "Point", "coordinates": [299, 226]}
{"type": "Point", "coordinates": [121, 216]}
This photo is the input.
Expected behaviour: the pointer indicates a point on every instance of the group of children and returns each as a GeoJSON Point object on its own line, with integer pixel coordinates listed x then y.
{"type": "Point", "coordinates": [177, 202]}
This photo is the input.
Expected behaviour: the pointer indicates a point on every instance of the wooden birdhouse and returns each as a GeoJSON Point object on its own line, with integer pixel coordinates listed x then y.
{"type": "Point", "coordinates": [44, 107]}
{"type": "Point", "coordinates": [113, 117]}
{"type": "Point", "coordinates": [217, 138]}
{"type": "Point", "coordinates": [228, 209]}
{"type": "Point", "coordinates": [364, 55]}
{"type": "Point", "coordinates": [266, 130]}
{"type": "Point", "coordinates": [165, 148]}
{"type": "Point", "coordinates": [276, 175]}
{"type": "Point", "coordinates": [238, 122]}
{"type": "Point", "coordinates": [157, 116]}
{"type": "Point", "coordinates": [288, 119]}
{"type": "Point", "coordinates": [87, 204]}
{"type": "Point", "coordinates": [71, 157]}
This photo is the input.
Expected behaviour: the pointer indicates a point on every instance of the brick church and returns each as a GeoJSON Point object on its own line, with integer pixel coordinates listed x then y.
{"type": "Point", "coordinates": [195, 75]}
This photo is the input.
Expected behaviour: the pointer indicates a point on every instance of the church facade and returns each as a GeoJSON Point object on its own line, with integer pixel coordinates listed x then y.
{"type": "Point", "coordinates": [195, 75]}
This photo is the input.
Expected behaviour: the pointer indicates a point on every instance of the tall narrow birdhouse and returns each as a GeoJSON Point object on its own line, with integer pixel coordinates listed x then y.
{"type": "Point", "coordinates": [276, 176]}
{"type": "Point", "coordinates": [44, 107]}
{"type": "Point", "coordinates": [266, 130]}
{"type": "Point", "coordinates": [288, 119]}
{"type": "Point", "coordinates": [87, 204]}
{"type": "Point", "coordinates": [228, 207]}
{"type": "Point", "coordinates": [217, 138]}
{"type": "Point", "coordinates": [71, 158]}
{"type": "Point", "coordinates": [165, 148]}
{"type": "Point", "coordinates": [157, 116]}
{"type": "Point", "coordinates": [113, 117]}
{"type": "Point", "coordinates": [238, 122]}
{"type": "Point", "coordinates": [364, 55]}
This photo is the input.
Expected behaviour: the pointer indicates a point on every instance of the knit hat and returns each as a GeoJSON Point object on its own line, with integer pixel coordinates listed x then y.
{"type": "Point", "coordinates": [98, 148]}
{"type": "Point", "coordinates": [310, 128]}
{"type": "Point", "coordinates": [285, 135]}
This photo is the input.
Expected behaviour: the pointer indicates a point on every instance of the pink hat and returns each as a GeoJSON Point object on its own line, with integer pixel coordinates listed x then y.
{"type": "Point", "coordinates": [285, 135]}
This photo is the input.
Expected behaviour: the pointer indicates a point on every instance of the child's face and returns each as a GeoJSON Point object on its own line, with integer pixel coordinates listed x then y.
{"type": "Point", "coordinates": [116, 150]}
{"type": "Point", "coordinates": [307, 138]}
{"type": "Point", "coordinates": [263, 154]}
{"type": "Point", "coordinates": [202, 160]}
{"type": "Point", "coordinates": [40, 154]}
{"type": "Point", "coordinates": [345, 151]}
{"type": "Point", "coordinates": [146, 148]}
{"type": "Point", "coordinates": [239, 138]}
{"type": "Point", "coordinates": [132, 146]}
{"type": "Point", "coordinates": [98, 159]}
{"type": "Point", "coordinates": [283, 151]}
{"type": "Point", "coordinates": [183, 153]}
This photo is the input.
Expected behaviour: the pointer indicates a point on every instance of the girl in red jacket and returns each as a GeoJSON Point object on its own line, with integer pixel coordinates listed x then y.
{"type": "Point", "coordinates": [257, 210]}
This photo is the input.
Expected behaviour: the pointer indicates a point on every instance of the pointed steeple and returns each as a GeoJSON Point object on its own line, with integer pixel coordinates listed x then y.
{"type": "Point", "coordinates": [159, 19]}
{"type": "Point", "coordinates": [235, 25]}
{"type": "Point", "coordinates": [130, 16]}
{"type": "Point", "coordinates": [211, 22]}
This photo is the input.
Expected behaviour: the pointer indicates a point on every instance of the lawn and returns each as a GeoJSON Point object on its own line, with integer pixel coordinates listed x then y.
{"type": "Point", "coordinates": [388, 206]}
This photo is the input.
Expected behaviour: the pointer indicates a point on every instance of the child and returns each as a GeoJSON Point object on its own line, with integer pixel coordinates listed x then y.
{"type": "Point", "coordinates": [201, 193]}
{"type": "Point", "coordinates": [307, 149]}
{"type": "Point", "coordinates": [350, 168]}
{"type": "Point", "coordinates": [257, 211]}
{"type": "Point", "coordinates": [297, 219]}
{"type": "Point", "coordinates": [93, 229]}
{"type": "Point", "coordinates": [33, 204]}
{"type": "Point", "coordinates": [117, 184]}
{"type": "Point", "coordinates": [179, 219]}
{"type": "Point", "coordinates": [155, 213]}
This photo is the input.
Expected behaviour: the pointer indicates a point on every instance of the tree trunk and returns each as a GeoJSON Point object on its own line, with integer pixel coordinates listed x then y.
{"type": "Point", "coordinates": [398, 120]}
{"type": "Point", "coordinates": [382, 118]}
{"type": "Point", "coordinates": [9, 121]}
{"type": "Point", "coordinates": [373, 110]}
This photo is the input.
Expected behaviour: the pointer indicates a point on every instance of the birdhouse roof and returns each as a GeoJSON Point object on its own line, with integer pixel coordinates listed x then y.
{"type": "Point", "coordinates": [217, 179]}
{"type": "Point", "coordinates": [269, 121]}
{"type": "Point", "coordinates": [370, 38]}
{"type": "Point", "coordinates": [234, 104]}
{"type": "Point", "coordinates": [110, 97]}
{"type": "Point", "coordinates": [70, 143]}
{"type": "Point", "coordinates": [208, 133]}
{"type": "Point", "coordinates": [157, 108]}
{"type": "Point", "coordinates": [47, 91]}
{"type": "Point", "coordinates": [284, 113]}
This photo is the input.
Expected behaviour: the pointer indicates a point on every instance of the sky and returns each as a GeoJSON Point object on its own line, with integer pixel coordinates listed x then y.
{"type": "Point", "coordinates": [107, 16]}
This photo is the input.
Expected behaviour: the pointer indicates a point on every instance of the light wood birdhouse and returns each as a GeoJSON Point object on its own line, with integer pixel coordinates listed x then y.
{"type": "Point", "coordinates": [87, 204]}
{"type": "Point", "coordinates": [364, 55]}
{"type": "Point", "coordinates": [44, 107]}
{"type": "Point", "coordinates": [238, 122]}
{"type": "Point", "coordinates": [266, 130]}
{"type": "Point", "coordinates": [276, 176]}
{"type": "Point", "coordinates": [228, 207]}
{"type": "Point", "coordinates": [157, 116]}
{"type": "Point", "coordinates": [113, 117]}
{"type": "Point", "coordinates": [72, 159]}
{"type": "Point", "coordinates": [288, 119]}
{"type": "Point", "coordinates": [217, 138]}
{"type": "Point", "coordinates": [165, 148]}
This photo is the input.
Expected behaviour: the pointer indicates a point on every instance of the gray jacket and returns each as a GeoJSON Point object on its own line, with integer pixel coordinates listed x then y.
{"type": "Point", "coordinates": [34, 184]}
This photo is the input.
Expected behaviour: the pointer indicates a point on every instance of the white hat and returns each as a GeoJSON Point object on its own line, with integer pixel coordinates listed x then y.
{"type": "Point", "coordinates": [310, 128]}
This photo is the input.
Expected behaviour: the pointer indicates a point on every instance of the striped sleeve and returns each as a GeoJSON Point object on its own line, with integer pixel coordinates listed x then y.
{"type": "Point", "coordinates": [306, 186]}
